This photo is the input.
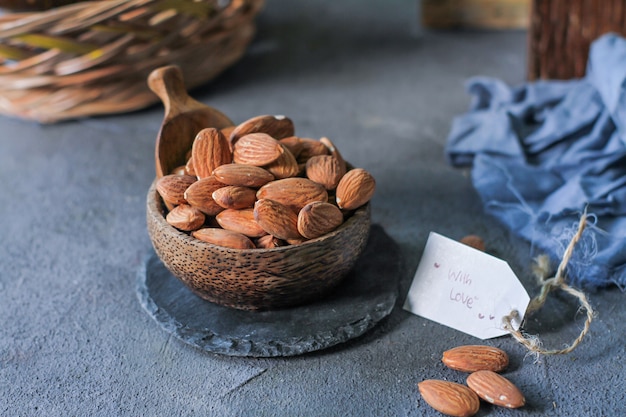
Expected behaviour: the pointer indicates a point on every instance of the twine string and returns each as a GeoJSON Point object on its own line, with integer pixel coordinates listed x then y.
{"type": "Point", "coordinates": [532, 343]}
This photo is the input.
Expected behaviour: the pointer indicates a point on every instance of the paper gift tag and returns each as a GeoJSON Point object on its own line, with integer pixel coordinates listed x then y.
{"type": "Point", "coordinates": [465, 288]}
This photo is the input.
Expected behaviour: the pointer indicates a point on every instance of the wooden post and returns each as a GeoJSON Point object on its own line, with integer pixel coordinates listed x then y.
{"type": "Point", "coordinates": [484, 14]}
{"type": "Point", "coordinates": [561, 32]}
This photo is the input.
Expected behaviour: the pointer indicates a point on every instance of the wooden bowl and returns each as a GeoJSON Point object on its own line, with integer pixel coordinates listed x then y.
{"type": "Point", "coordinates": [258, 279]}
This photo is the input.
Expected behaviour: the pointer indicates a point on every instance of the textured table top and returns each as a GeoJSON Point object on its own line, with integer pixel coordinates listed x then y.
{"type": "Point", "coordinates": [74, 338]}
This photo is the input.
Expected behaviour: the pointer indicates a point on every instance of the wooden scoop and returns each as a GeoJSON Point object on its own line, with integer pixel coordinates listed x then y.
{"type": "Point", "coordinates": [184, 118]}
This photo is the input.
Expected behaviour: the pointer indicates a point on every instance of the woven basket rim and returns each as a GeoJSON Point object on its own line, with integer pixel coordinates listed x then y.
{"type": "Point", "coordinates": [92, 58]}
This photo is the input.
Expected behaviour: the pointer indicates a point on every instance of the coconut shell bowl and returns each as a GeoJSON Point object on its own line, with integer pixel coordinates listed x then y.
{"type": "Point", "coordinates": [258, 278]}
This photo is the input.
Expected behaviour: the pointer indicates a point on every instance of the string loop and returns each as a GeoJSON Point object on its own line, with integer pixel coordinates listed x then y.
{"type": "Point", "coordinates": [533, 343]}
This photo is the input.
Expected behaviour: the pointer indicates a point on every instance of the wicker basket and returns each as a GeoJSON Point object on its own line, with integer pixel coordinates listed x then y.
{"type": "Point", "coordinates": [93, 57]}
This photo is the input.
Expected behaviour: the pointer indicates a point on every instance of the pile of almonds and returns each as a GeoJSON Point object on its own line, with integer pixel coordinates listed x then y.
{"type": "Point", "coordinates": [257, 185]}
{"type": "Point", "coordinates": [483, 363]}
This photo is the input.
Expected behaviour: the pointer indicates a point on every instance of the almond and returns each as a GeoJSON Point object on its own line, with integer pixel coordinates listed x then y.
{"type": "Point", "coordinates": [285, 166]}
{"type": "Point", "coordinates": [471, 358]}
{"type": "Point", "coordinates": [293, 192]}
{"type": "Point", "coordinates": [496, 389]}
{"type": "Point", "coordinates": [234, 197]}
{"type": "Point", "coordinates": [449, 397]}
{"type": "Point", "coordinates": [277, 127]}
{"type": "Point", "coordinates": [210, 149]}
{"type": "Point", "coordinates": [474, 241]}
{"type": "Point", "coordinates": [189, 169]}
{"type": "Point", "coordinates": [180, 170]}
{"type": "Point", "coordinates": [296, 241]}
{"type": "Point", "coordinates": [335, 152]}
{"type": "Point", "coordinates": [355, 189]}
{"type": "Point", "coordinates": [311, 147]}
{"type": "Point", "coordinates": [318, 218]}
{"type": "Point", "coordinates": [276, 219]}
{"type": "Point", "coordinates": [326, 170]}
{"type": "Point", "coordinates": [186, 218]}
{"type": "Point", "coordinates": [240, 221]}
{"type": "Point", "coordinates": [223, 237]}
{"type": "Point", "coordinates": [269, 242]}
{"type": "Point", "coordinates": [257, 149]}
{"type": "Point", "coordinates": [243, 175]}
{"type": "Point", "coordinates": [172, 188]}
{"type": "Point", "coordinates": [294, 144]}
{"type": "Point", "coordinates": [200, 195]}
{"type": "Point", "coordinates": [226, 131]}
{"type": "Point", "coordinates": [301, 169]}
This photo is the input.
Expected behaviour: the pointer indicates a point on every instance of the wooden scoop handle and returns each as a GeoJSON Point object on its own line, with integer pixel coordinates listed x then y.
{"type": "Point", "coordinates": [184, 118]}
{"type": "Point", "coordinates": [168, 83]}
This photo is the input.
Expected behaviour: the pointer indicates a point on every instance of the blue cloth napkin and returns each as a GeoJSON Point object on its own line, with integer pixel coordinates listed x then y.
{"type": "Point", "coordinates": [544, 152]}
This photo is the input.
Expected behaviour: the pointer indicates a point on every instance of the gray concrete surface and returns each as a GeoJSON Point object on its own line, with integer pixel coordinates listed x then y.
{"type": "Point", "coordinates": [74, 340]}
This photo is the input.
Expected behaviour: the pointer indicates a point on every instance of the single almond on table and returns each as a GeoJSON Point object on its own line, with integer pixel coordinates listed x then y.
{"type": "Point", "coordinates": [276, 219]}
{"type": "Point", "coordinates": [285, 166]}
{"type": "Point", "coordinates": [495, 389]}
{"type": "Point", "coordinates": [184, 217]}
{"type": "Point", "coordinates": [200, 195]}
{"type": "Point", "coordinates": [209, 150]}
{"type": "Point", "coordinates": [172, 188]}
{"type": "Point", "coordinates": [257, 149]}
{"type": "Point", "coordinates": [242, 175]}
{"type": "Point", "coordinates": [223, 237]}
{"type": "Point", "coordinates": [449, 397]}
{"type": "Point", "coordinates": [240, 221]}
{"type": "Point", "coordinates": [355, 189]}
{"type": "Point", "coordinates": [277, 127]}
{"type": "Point", "coordinates": [234, 197]}
{"type": "Point", "coordinates": [318, 218]}
{"type": "Point", "coordinates": [472, 358]}
{"type": "Point", "coordinates": [326, 170]}
{"type": "Point", "coordinates": [474, 241]}
{"type": "Point", "coordinates": [293, 192]}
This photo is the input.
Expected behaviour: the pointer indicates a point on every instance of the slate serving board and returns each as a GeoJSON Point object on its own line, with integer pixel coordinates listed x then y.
{"type": "Point", "coordinates": [367, 295]}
